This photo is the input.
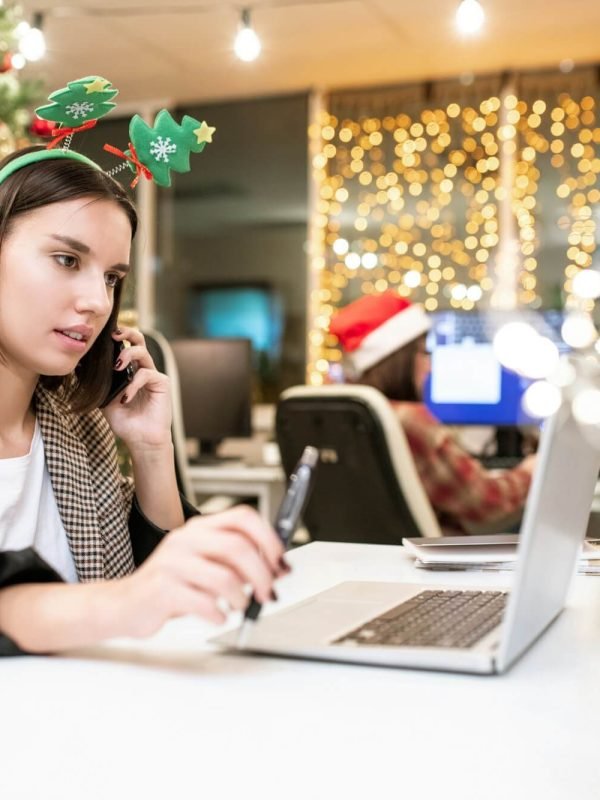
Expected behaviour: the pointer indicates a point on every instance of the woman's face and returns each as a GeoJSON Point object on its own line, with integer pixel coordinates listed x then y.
{"type": "Point", "coordinates": [58, 268]}
{"type": "Point", "coordinates": [422, 367]}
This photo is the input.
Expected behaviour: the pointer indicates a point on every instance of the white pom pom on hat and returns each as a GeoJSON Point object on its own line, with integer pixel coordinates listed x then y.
{"type": "Point", "coordinates": [374, 326]}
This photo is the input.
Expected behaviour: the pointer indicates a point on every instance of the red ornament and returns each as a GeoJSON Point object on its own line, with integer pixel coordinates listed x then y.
{"type": "Point", "coordinates": [6, 62]}
{"type": "Point", "coordinates": [41, 127]}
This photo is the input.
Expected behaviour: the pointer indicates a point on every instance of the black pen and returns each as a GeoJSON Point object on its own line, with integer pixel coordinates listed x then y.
{"type": "Point", "coordinates": [288, 516]}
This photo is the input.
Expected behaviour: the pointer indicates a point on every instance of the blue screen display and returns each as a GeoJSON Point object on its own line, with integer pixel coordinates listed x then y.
{"type": "Point", "coordinates": [249, 312]}
{"type": "Point", "coordinates": [467, 385]}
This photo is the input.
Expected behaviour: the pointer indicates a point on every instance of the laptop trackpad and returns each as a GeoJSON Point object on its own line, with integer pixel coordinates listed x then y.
{"type": "Point", "coordinates": [323, 617]}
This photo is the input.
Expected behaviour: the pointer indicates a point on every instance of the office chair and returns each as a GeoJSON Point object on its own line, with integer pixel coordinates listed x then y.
{"type": "Point", "coordinates": [164, 360]}
{"type": "Point", "coordinates": [367, 488]}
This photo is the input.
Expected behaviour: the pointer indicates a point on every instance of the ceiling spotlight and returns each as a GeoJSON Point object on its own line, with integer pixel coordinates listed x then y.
{"type": "Point", "coordinates": [247, 44]}
{"type": "Point", "coordinates": [470, 17]}
{"type": "Point", "coordinates": [32, 44]}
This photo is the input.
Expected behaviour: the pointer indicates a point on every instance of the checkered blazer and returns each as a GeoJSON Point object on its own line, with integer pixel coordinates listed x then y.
{"type": "Point", "coordinates": [94, 500]}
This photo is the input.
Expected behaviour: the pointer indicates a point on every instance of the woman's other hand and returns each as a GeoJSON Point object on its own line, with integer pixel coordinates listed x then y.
{"type": "Point", "coordinates": [209, 560]}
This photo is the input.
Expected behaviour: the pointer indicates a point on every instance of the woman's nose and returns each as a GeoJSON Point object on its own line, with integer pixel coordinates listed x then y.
{"type": "Point", "coordinates": [94, 295]}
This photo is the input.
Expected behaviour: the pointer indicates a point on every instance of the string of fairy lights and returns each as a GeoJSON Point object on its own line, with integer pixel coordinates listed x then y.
{"type": "Point", "coordinates": [444, 206]}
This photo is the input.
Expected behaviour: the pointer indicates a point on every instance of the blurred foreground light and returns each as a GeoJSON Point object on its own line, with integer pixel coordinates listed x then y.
{"type": "Point", "coordinates": [586, 284]}
{"type": "Point", "coordinates": [578, 330]}
{"type": "Point", "coordinates": [412, 278]}
{"type": "Point", "coordinates": [352, 261]}
{"type": "Point", "coordinates": [340, 247]}
{"type": "Point", "coordinates": [586, 407]}
{"type": "Point", "coordinates": [564, 375]}
{"type": "Point", "coordinates": [542, 399]}
{"type": "Point", "coordinates": [510, 341]}
{"type": "Point", "coordinates": [369, 260]}
{"type": "Point", "coordinates": [470, 17]}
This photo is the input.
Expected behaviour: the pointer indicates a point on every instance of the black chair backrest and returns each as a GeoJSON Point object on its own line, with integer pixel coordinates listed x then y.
{"type": "Point", "coordinates": [356, 497]}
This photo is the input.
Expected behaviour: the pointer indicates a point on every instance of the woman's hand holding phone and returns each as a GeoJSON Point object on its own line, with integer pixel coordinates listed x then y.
{"type": "Point", "coordinates": [141, 414]}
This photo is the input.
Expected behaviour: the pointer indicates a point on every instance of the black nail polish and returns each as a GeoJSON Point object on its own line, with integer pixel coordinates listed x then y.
{"type": "Point", "coordinates": [284, 564]}
{"type": "Point", "coordinates": [118, 363]}
{"type": "Point", "coordinates": [117, 331]}
{"type": "Point", "coordinates": [124, 399]}
{"type": "Point", "coordinates": [274, 596]}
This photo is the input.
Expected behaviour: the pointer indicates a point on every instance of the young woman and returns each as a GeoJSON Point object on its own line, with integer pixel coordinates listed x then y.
{"type": "Point", "coordinates": [68, 521]}
{"type": "Point", "coordinates": [384, 338]}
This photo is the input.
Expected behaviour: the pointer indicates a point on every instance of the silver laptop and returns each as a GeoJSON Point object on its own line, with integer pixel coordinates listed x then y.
{"type": "Point", "coordinates": [465, 630]}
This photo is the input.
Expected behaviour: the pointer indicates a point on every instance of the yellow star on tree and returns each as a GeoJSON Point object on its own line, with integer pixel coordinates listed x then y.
{"type": "Point", "coordinates": [204, 133]}
{"type": "Point", "coordinates": [97, 85]}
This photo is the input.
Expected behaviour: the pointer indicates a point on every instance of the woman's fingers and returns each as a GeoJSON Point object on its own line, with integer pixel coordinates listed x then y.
{"type": "Point", "coordinates": [247, 522]}
{"type": "Point", "coordinates": [155, 381]}
{"type": "Point", "coordinates": [214, 579]}
{"type": "Point", "coordinates": [137, 355]}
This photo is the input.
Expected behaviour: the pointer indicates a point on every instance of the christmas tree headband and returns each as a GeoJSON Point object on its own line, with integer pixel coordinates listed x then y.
{"type": "Point", "coordinates": [153, 151]}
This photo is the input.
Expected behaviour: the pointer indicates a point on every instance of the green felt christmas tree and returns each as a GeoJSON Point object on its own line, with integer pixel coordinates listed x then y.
{"type": "Point", "coordinates": [79, 102]}
{"type": "Point", "coordinates": [167, 145]}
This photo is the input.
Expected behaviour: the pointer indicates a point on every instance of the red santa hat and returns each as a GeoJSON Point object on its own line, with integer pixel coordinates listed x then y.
{"type": "Point", "coordinates": [374, 326]}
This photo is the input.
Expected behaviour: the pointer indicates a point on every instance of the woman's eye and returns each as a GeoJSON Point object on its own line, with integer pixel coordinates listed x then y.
{"type": "Point", "coordinates": [66, 261]}
{"type": "Point", "coordinates": [112, 279]}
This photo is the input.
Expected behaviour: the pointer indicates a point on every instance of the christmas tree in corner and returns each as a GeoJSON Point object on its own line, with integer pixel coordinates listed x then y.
{"type": "Point", "coordinates": [17, 96]}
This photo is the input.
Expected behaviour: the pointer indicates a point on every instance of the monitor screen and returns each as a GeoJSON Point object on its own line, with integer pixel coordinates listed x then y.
{"type": "Point", "coordinates": [215, 377]}
{"type": "Point", "coordinates": [250, 311]}
{"type": "Point", "coordinates": [467, 385]}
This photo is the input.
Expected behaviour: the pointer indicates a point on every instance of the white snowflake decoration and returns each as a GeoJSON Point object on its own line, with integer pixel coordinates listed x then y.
{"type": "Point", "coordinates": [77, 110]}
{"type": "Point", "coordinates": [162, 149]}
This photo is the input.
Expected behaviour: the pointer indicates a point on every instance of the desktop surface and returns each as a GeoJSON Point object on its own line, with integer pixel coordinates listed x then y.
{"type": "Point", "coordinates": [170, 717]}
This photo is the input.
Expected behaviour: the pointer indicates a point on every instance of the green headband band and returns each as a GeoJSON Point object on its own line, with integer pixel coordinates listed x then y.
{"type": "Point", "coordinates": [42, 155]}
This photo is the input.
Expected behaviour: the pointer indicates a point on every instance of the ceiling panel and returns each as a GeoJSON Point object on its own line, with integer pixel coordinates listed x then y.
{"type": "Point", "coordinates": [334, 43]}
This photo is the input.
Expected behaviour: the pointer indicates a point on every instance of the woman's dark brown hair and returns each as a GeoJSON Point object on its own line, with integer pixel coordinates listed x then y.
{"type": "Point", "coordinates": [54, 181]}
{"type": "Point", "coordinates": [394, 375]}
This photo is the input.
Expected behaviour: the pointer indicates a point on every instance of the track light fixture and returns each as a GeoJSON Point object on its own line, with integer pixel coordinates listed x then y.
{"type": "Point", "coordinates": [247, 45]}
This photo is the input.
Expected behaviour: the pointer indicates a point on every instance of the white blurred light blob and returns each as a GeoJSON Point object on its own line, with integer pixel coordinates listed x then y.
{"type": "Point", "coordinates": [539, 358]}
{"type": "Point", "coordinates": [21, 28]}
{"type": "Point", "coordinates": [564, 375]}
{"type": "Point", "coordinates": [470, 17]}
{"type": "Point", "coordinates": [340, 247]}
{"type": "Point", "coordinates": [578, 330]}
{"type": "Point", "coordinates": [542, 399]}
{"type": "Point", "coordinates": [247, 45]}
{"type": "Point", "coordinates": [412, 278]}
{"type": "Point", "coordinates": [18, 61]}
{"type": "Point", "coordinates": [32, 45]}
{"type": "Point", "coordinates": [586, 284]}
{"type": "Point", "coordinates": [369, 260]}
{"type": "Point", "coordinates": [352, 261]}
{"type": "Point", "coordinates": [510, 341]}
{"type": "Point", "coordinates": [586, 407]}
{"type": "Point", "coordinates": [458, 291]}
{"type": "Point", "coordinates": [474, 293]}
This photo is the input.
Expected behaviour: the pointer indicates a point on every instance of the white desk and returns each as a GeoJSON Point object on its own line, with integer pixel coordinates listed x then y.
{"type": "Point", "coordinates": [267, 483]}
{"type": "Point", "coordinates": [167, 718]}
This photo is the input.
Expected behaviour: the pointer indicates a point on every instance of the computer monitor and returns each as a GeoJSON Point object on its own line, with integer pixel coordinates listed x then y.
{"type": "Point", "coordinates": [215, 377]}
{"type": "Point", "coordinates": [467, 385]}
{"type": "Point", "coordinates": [249, 310]}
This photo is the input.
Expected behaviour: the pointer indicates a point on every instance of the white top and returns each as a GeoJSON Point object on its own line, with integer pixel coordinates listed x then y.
{"type": "Point", "coordinates": [29, 515]}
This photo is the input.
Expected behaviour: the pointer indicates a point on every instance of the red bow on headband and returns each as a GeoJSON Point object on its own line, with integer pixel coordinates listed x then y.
{"type": "Point", "coordinates": [64, 132]}
{"type": "Point", "coordinates": [132, 157]}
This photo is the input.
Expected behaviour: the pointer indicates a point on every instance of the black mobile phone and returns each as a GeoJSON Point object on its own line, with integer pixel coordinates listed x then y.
{"type": "Point", "coordinates": [120, 377]}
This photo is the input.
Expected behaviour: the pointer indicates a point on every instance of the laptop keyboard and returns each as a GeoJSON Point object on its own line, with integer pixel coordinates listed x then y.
{"type": "Point", "coordinates": [433, 619]}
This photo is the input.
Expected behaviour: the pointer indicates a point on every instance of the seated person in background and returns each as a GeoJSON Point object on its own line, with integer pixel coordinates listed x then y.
{"type": "Point", "coordinates": [383, 337]}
